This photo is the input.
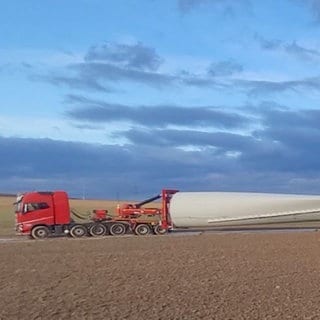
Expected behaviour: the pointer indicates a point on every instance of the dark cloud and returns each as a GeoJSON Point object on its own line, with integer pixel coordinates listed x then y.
{"type": "Point", "coordinates": [224, 141]}
{"type": "Point", "coordinates": [297, 132]}
{"type": "Point", "coordinates": [100, 76]}
{"type": "Point", "coordinates": [251, 87]}
{"type": "Point", "coordinates": [257, 87]}
{"type": "Point", "coordinates": [268, 44]}
{"type": "Point", "coordinates": [112, 62]}
{"type": "Point", "coordinates": [227, 5]}
{"type": "Point", "coordinates": [88, 126]}
{"type": "Point", "coordinates": [284, 118]}
{"type": "Point", "coordinates": [288, 142]}
{"type": "Point", "coordinates": [313, 6]}
{"type": "Point", "coordinates": [105, 170]}
{"type": "Point", "coordinates": [27, 65]}
{"type": "Point", "coordinates": [224, 68]}
{"type": "Point", "coordinates": [136, 56]}
{"type": "Point", "coordinates": [301, 52]}
{"type": "Point", "coordinates": [109, 63]}
{"type": "Point", "coordinates": [89, 110]}
{"type": "Point", "coordinates": [110, 73]}
{"type": "Point", "coordinates": [49, 153]}
{"type": "Point", "coordinates": [292, 49]}
{"type": "Point", "coordinates": [73, 82]}
{"type": "Point", "coordinates": [263, 151]}
{"type": "Point", "coordinates": [203, 82]}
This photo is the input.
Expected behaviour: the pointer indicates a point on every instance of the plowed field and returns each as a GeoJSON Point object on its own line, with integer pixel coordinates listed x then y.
{"type": "Point", "coordinates": [208, 276]}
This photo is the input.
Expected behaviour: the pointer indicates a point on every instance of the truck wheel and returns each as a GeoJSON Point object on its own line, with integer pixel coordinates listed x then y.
{"type": "Point", "coordinates": [158, 230]}
{"type": "Point", "coordinates": [40, 232]}
{"type": "Point", "coordinates": [142, 230]}
{"type": "Point", "coordinates": [98, 230]}
{"type": "Point", "coordinates": [118, 229]}
{"type": "Point", "coordinates": [78, 231]}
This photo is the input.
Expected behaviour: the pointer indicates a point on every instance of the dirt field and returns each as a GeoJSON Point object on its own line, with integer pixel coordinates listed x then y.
{"type": "Point", "coordinates": [208, 276]}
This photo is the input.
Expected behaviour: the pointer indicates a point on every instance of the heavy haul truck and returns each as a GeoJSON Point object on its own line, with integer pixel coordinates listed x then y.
{"type": "Point", "coordinates": [44, 214]}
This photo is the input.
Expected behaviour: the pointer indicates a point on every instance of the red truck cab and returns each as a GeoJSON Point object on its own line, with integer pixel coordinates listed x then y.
{"type": "Point", "coordinates": [46, 209]}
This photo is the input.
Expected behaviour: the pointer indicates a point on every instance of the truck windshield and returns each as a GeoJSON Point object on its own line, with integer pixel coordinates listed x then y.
{"type": "Point", "coordinates": [18, 204]}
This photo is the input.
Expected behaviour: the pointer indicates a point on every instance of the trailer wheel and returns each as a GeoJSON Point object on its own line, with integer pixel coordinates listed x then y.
{"type": "Point", "coordinates": [78, 231]}
{"type": "Point", "coordinates": [40, 232]}
{"type": "Point", "coordinates": [117, 229]}
{"type": "Point", "coordinates": [98, 230]}
{"type": "Point", "coordinates": [158, 230]}
{"type": "Point", "coordinates": [142, 229]}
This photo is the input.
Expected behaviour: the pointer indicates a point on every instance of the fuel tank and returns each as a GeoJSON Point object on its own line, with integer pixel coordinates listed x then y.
{"type": "Point", "coordinates": [201, 209]}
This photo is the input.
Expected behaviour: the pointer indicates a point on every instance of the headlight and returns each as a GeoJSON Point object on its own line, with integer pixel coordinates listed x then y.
{"type": "Point", "coordinates": [19, 227]}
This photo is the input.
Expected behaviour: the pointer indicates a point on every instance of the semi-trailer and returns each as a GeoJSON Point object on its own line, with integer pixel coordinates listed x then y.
{"type": "Point", "coordinates": [44, 214]}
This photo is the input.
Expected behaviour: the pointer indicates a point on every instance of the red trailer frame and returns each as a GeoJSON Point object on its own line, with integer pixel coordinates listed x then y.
{"type": "Point", "coordinates": [166, 195]}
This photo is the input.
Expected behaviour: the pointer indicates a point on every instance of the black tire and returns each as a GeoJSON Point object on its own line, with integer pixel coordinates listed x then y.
{"type": "Point", "coordinates": [142, 229]}
{"type": "Point", "coordinates": [158, 230]}
{"type": "Point", "coordinates": [40, 232]}
{"type": "Point", "coordinates": [118, 229]}
{"type": "Point", "coordinates": [78, 231]}
{"type": "Point", "coordinates": [97, 230]}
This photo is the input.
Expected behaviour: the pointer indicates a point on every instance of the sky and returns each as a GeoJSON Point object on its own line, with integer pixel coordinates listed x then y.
{"type": "Point", "coordinates": [118, 99]}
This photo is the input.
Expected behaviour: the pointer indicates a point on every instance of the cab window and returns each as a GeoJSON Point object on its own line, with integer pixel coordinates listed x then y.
{"type": "Point", "coordinates": [32, 206]}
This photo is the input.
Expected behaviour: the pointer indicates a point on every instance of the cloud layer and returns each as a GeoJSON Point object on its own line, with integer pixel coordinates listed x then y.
{"type": "Point", "coordinates": [89, 110]}
{"type": "Point", "coordinates": [290, 48]}
{"type": "Point", "coordinates": [136, 56]}
{"type": "Point", "coordinates": [106, 68]}
{"type": "Point", "coordinates": [279, 156]}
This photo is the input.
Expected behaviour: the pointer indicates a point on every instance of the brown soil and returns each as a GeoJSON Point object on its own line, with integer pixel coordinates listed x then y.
{"type": "Point", "coordinates": [208, 276]}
